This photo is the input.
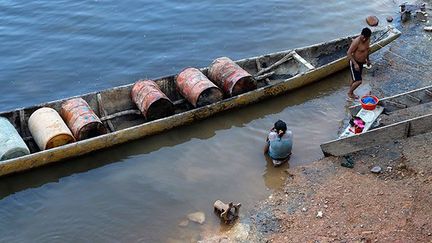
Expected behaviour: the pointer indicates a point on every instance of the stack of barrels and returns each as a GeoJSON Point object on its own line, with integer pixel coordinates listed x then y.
{"type": "Point", "coordinates": [225, 78]}
{"type": "Point", "coordinates": [49, 129]}
{"type": "Point", "coordinates": [77, 121]}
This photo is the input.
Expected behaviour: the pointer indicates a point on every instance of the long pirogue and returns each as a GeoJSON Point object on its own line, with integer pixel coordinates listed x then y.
{"type": "Point", "coordinates": [148, 107]}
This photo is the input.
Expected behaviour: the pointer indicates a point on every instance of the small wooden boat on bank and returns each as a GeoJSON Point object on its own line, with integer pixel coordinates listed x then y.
{"type": "Point", "coordinates": [404, 115]}
{"type": "Point", "coordinates": [125, 118]}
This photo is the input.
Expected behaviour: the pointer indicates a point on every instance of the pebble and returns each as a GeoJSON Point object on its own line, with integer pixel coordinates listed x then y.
{"type": "Point", "coordinates": [402, 166]}
{"type": "Point", "coordinates": [376, 169]}
{"type": "Point", "coordinates": [304, 209]}
{"type": "Point", "coordinates": [319, 214]}
{"type": "Point", "coordinates": [389, 19]}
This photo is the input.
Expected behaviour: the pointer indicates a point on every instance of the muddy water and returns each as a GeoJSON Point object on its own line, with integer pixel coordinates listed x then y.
{"type": "Point", "coordinates": [140, 191]}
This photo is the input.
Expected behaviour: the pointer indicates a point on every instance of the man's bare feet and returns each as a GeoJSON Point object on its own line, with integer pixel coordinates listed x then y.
{"type": "Point", "coordinates": [353, 96]}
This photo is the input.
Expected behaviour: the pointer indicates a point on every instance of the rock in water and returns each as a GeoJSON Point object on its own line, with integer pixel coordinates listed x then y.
{"type": "Point", "coordinates": [389, 19]}
{"type": "Point", "coordinates": [198, 217]}
{"type": "Point", "coordinates": [428, 28]}
{"type": "Point", "coordinates": [372, 20]}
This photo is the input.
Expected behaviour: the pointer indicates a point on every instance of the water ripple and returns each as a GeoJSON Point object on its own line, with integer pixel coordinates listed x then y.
{"type": "Point", "coordinates": [140, 191]}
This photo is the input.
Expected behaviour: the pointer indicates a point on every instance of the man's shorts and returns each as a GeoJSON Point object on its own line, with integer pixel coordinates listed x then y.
{"type": "Point", "coordinates": [356, 75]}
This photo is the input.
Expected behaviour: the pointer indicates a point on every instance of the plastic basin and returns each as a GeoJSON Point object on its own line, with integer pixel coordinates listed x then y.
{"type": "Point", "coordinates": [369, 102]}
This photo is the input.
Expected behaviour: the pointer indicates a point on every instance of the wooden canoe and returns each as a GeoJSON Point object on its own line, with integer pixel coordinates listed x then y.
{"type": "Point", "coordinates": [125, 123]}
{"type": "Point", "coordinates": [405, 115]}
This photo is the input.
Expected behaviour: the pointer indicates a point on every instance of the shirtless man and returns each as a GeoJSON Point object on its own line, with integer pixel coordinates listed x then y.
{"type": "Point", "coordinates": [358, 54]}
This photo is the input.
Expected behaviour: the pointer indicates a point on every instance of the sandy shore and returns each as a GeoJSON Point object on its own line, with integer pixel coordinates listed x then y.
{"type": "Point", "coordinates": [356, 204]}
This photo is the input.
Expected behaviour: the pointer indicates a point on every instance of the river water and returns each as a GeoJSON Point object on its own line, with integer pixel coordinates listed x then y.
{"type": "Point", "coordinates": [140, 191]}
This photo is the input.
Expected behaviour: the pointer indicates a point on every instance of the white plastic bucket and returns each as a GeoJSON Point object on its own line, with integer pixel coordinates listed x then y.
{"type": "Point", "coordinates": [48, 129]}
{"type": "Point", "coordinates": [11, 143]}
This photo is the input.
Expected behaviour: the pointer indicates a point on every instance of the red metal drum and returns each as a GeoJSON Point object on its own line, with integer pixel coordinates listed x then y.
{"type": "Point", "coordinates": [230, 77]}
{"type": "Point", "coordinates": [197, 88]}
{"type": "Point", "coordinates": [151, 101]}
{"type": "Point", "coordinates": [81, 119]}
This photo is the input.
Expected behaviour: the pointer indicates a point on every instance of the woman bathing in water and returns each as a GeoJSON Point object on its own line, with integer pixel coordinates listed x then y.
{"type": "Point", "coordinates": [279, 143]}
{"type": "Point", "coordinates": [358, 54]}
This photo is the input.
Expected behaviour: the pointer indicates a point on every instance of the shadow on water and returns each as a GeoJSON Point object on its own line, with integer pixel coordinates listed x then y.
{"type": "Point", "coordinates": [201, 130]}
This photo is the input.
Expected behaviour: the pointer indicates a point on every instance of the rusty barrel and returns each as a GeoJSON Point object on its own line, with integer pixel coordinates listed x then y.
{"type": "Point", "coordinates": [48, 129]}
{"type": "Point", "coordinates": [230, 77]}
{"type": "Point", "coordinates": [81, 119]}
{"type": "Point", "coordinates": [150, 100]}
{"type": "Point", "coordinates": [197, 88]}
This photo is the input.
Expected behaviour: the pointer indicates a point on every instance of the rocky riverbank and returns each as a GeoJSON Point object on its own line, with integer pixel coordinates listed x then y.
{"type": "Point", "coordinates": [324, 202]}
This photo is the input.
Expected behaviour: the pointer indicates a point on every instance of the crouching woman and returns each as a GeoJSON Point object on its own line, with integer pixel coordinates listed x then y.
{"type": "Point", "coordinates": [279, 143]}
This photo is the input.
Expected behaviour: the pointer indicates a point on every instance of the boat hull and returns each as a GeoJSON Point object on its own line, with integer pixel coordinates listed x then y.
{"type": "Point", "coordinates": [43, 158]}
